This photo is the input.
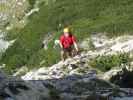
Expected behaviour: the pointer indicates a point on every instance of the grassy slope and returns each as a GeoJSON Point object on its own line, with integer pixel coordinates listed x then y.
{"type": "Point", "coordinates": [83, 16]}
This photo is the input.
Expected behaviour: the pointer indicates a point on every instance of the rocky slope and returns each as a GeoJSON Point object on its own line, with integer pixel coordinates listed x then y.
{"type": "Point", "coordinates": [4, 44]}
{"type": "Point", "coordinates": [80, 63]}
{"type": "Point", "coordinates": [72, 87]}
{"type": "Point", "coordinates": [94, 16]}
{"type": "Point", "coordinates": [73, 79]}
{"type": "Point", "coordinates": [11, 12]}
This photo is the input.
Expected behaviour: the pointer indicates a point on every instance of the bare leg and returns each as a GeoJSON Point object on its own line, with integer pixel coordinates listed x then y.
{"type": "Point", "coordinates": [72, 52]}
{"type": "Point", "coordinates": [67, 55]}
{"type": "Point", "coordinates": [63, 56]}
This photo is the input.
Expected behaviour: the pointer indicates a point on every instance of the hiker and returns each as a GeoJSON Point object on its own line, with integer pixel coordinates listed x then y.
{"type": "Point", "coordinates": [68, 44]}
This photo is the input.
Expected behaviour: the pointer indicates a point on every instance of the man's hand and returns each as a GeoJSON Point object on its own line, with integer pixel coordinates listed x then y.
{"type": "Point", "coordinates": [76, 47]}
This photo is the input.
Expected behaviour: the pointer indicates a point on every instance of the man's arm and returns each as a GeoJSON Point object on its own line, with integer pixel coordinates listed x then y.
{"type": "Point", "coordinates": [60, 43]}
{"type": "Point", "coordinates": [76, 46]}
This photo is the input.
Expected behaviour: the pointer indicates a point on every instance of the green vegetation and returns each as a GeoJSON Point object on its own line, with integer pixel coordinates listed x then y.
{"type": "Point", "coordinates": [106, 62]}
{"type": "Point", "coordinates": [31, 2]}
{"type": "Point", "coordinates": [83, 16]}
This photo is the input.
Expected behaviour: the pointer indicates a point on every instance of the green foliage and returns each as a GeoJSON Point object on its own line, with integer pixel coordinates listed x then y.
{"type": "Point", "coordinates": [31, 2]}
{"type": "Point", "coordinates": [106, 62]}
{"type": "Point", "coordinates": [48, 57]}
{"type": "Point", "coordinates": [83, 16]}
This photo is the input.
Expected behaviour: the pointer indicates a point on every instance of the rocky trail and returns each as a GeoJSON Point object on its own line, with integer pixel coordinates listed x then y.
{"type": "Point", "coordinates": [80, 63]}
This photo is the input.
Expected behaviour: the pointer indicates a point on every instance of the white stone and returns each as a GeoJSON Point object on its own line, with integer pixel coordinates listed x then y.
{"type": "Point", "coordinates": [22, 70]}
{"type": "Point", "coordinates": [31, 12]}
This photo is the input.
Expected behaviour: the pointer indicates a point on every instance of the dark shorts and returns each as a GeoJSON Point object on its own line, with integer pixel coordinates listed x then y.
{"type": "Point", "coordinates": [68, 49]}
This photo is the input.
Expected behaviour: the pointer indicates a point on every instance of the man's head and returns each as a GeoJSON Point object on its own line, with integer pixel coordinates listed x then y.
{"type": "Point", "coordinates": [66, 32]}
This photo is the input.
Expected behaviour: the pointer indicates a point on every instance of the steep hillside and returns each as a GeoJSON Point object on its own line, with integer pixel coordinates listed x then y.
{"type": "Point", "coordinates": [11, 12]}
{"type": "Point", "coordinates": [113, 17]}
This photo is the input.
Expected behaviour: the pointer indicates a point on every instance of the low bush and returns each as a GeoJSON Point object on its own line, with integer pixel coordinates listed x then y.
{"type": "Point", "coordinates": [106, 62]}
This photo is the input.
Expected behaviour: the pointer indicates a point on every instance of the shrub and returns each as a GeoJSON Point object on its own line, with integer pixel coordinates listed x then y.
{"type": "Point", "coordinates": [106, 62]}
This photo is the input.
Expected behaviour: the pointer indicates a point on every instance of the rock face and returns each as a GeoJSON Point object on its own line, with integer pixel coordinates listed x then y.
{"type": "Point", "coordinates": [107, 45]}
{"type": "Point", "coordinates": [16, 89]}
{"type": "Point", "coordinates": [4, 44]}
{"type": "Point", "coordinates": [15, 13]}
{"type": "Point", "coordinates": [123, 78]}
{"type": "Point", "coordinates": [72, 87]}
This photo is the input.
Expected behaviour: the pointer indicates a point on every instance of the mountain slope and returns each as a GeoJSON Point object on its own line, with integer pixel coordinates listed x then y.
{"type": "Point", "coordinates": [11, 12]}
{"type": "Point", "coordinates": [75, 79]}
{"type": "Point", "coordinates": [83, 16]}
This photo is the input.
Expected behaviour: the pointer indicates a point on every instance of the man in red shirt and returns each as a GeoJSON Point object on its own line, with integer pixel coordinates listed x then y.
{"type": "Point", "coordinates": [67, 44]}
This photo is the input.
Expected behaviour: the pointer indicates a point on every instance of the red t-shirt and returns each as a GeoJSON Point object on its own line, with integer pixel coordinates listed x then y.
{"type": "Point", "coordinates": [67, 41]}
